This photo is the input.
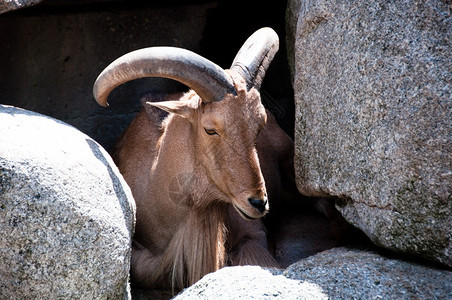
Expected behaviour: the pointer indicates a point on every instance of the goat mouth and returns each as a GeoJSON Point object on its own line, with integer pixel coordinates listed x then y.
{"type": "Point", "coordinates": [244, 214]}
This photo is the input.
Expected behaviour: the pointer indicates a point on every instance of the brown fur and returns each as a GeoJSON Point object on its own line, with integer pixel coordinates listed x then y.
{"type": "Point", "coordinates": [190, 255]}
{"type": "Point", "coordinates": [186, 184]}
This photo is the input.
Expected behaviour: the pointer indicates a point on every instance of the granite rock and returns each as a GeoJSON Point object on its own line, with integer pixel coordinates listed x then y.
{"type": "Point", "coordinates": [339, 273]}
{"type": "Point", "coordinates": [342, 273]}
{"type": "Point", "coordinates": [372, 82]}
{"type": "Point", "coordinates": [66, 214]}
{"type": "Point", "coordinates": [250, 282]}
{"type": "Point", "coordinates": [10, 5]}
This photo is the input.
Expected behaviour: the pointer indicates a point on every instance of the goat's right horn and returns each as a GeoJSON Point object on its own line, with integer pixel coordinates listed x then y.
{"type": "Point", "coordinates": [207, 79]}
{"type": "Point", "coordinates": [255, 56]}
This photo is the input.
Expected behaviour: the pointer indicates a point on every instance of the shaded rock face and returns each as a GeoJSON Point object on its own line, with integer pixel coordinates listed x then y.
{"type": "Point", "coordinates": [66, 214]}
{"type": "Point", "coordinates": [53, 55]}
{"type": "Point", "coordinates": [343, 273]}
{"type": "Point", "coordinates": [373, 117]}
{"type": "Point", "coordinates": [339, 273]}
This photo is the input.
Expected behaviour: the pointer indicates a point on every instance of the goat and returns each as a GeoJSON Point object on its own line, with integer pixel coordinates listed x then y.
{"type": "Point", "coordinates": [192, 164]}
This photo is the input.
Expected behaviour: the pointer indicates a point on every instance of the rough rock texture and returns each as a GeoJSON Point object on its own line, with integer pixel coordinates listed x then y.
{"type": "Point", "coordinates": [250, 282]}
{"type": "Point", "coordinates": [341, 273]}
{"type": "Point", "coordinates": [52, 53]}
{"type": "Point", "coordinates": [373, 117]}
{"type": "Point", "coordinates": [50, 59]}
{"type": "Point", "coordinates": [9, 5]}
{"type": "Point", "coordinates": [338, 273]}
{"type": "Point", "coordinates": [66, 214]}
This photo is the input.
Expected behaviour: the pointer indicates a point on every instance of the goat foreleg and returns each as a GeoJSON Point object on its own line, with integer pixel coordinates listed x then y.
{"type": "Point", "coordinates": [146, 270]}
{"type": "Point", "coordinates": [247, 242]}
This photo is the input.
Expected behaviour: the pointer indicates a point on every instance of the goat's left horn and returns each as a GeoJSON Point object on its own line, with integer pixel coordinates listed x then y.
{"type": "Point", "coordinates": [255, 56]}
{"type": "Point", "coordinates": [207, 79]}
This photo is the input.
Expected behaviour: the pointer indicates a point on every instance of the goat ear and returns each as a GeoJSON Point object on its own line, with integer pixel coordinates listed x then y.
{"type": "Point", "coordinates": [180, 108]}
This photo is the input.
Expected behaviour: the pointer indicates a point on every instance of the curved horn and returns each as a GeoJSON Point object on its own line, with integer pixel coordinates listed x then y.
{"type": "Point", "coordinates": [255, 56]}
{"type": "Point", "coordinates": [207, 79]}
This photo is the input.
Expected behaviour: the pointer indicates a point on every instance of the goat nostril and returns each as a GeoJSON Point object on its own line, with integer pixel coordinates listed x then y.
{"type": "Point", "coordinates": [259, 204]}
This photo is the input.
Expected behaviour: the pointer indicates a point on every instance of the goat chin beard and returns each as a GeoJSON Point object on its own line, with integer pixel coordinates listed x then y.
{"type": "Point", "coordinates": [243, 214]}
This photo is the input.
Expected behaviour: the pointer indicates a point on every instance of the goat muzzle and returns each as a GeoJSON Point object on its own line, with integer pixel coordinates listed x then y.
{"type": "Point", "coordinates": [257, 207]}
{"type": "Point", "coordinates": [260, 204]}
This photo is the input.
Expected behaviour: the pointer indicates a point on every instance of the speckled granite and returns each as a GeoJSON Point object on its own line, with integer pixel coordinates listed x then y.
{"type": "Point", "coordinates": [10, 5]}
{"type": "Point", "coordinates": [66, 214]}
{"type": "Point", "coordinates": [338, 273]}
{"type": "Point", "coordinates": [250, 282]}
{"type": "Point", "coordinates": [373, 83]}
{"type": "Point", "coordinates": [342, 273]}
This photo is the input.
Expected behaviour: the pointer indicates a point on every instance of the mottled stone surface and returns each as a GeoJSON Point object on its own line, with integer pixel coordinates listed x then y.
{"type": "Point", "coordinates": [338, 273]}
{"type": "Point", "coordinates": [373, 117]}
{"type": "Point", "coordinates": [250, 282]}
{"type": "Point", "coordinates": [10, 5]}
{"type": "Point", "coordinates": [66, 214]}
{"type": "Point", "coordinates": [342, 273]}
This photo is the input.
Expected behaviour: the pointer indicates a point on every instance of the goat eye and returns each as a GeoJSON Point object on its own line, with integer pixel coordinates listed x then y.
{"type": "Point", "coordinates": [210, 131]}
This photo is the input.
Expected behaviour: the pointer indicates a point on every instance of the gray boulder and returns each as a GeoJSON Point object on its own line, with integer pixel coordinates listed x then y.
{"type": "Point", "coordinates": [250, 282]}
{"type": "Point", "coordinates": [338, 273]}
{"type": "Point", "coordinates": [343, 273]}
{"type": "Point", "coordinates": [372, 83]}
{"type": "Point", "coordinates": [10, 5]}
{"type": "Point", "coordinates": [66, 214]}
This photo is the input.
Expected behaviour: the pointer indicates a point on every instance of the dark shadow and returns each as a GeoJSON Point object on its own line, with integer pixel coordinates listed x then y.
{"type": "Point", "coordinates": [128, 213]}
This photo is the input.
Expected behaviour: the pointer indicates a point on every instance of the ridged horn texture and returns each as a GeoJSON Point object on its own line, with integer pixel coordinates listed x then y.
{"type": "Point", "coordinates": [255, 56]}
{"type": "Point", "coordinates": [207, 79]}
